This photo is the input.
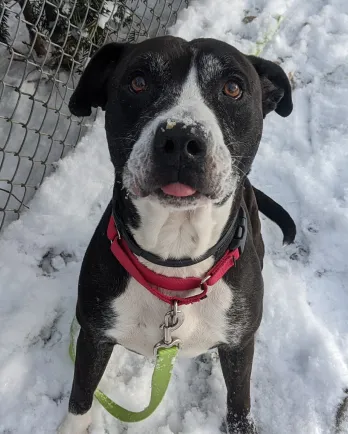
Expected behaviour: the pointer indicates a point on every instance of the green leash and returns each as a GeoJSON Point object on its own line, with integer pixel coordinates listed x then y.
{"type": "Point", "coordinates": [165, 357]}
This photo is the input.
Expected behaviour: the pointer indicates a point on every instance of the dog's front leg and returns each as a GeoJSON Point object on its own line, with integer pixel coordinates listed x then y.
{"type": "Point", "coordinates": [236, 367]}
{"type": "Point", "coordinates": [92, 356]}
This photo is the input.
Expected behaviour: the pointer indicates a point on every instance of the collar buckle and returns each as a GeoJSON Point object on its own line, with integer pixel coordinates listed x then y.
{"type": "Point", "coordinates": [240, 235]}
{"type": "Point", "coordinates": [204, 280]}
{"type": "Point", "coordinates": [117, 236]}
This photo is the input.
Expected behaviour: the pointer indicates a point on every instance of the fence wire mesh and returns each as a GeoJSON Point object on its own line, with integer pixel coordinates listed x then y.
{"type": "Point", "coordinates": [44, 45]}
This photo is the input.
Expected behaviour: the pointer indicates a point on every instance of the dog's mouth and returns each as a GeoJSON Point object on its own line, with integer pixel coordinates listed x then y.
{"type": "Point", "coordinates": [180, 203]}
{"type": "Point", "coordinates": [187, 191]}
{"type": "Point", "coordinates": [178, 189]}
{"type": "Point", "coordinates": [178, 195]}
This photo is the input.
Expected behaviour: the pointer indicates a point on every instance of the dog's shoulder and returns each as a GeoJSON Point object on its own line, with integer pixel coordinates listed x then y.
{"type": "Point", "coordinates": [102, 278]}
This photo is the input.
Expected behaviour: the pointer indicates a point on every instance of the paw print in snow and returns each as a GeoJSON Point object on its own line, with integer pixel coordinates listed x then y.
{"type": "Point", "coordinates": [52, 261]}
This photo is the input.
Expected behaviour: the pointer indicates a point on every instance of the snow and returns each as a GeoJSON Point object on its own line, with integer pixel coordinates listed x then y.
{"type": "Point", "coordinates": [300, 366]}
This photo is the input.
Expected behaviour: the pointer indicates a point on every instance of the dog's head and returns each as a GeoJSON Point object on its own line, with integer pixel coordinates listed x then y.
{"type": "Point", "coordinates": [183, 119]}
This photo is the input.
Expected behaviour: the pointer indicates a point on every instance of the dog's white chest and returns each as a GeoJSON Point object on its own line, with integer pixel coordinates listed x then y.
{"type": "Point", "coordinates": [139, 315]}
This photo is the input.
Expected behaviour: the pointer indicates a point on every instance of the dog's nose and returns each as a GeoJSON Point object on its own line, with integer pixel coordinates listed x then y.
{"type": "Point", "coordinates": [174, 140]}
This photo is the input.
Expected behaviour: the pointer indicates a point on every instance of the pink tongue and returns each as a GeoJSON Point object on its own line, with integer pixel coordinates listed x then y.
{"type": "Point", "coordinates": [179, 190]}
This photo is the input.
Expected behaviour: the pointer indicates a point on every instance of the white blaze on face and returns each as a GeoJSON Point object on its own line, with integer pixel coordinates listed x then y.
{"type": "Point", "coordinates": [191, 109]}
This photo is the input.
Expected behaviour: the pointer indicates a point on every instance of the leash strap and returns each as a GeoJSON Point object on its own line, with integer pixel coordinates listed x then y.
{"type": "Point", "coordinates": [165, 358]}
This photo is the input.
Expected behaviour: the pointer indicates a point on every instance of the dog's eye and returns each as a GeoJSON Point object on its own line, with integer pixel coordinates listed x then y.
{"type": "Point", "coordinates": [232, 89]}
{"type": "Point", "coordinates": [138, 84]}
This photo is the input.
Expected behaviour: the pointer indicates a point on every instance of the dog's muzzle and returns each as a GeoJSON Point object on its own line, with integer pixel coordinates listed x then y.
{"type": "Point", "coordinates": [179, 153]}
{"type": "Point", "coordinates": [177, 143]}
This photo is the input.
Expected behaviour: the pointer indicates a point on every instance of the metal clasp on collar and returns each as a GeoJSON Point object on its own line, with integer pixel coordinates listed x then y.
{"type": "Point", "coordinates": [117, 237]}
{"type": "Point", "coordinates": [173, 319]}
{"type": "Point", "coordinates": [240, 236]}
{"type": "Point", "coordinates": [203, 281]}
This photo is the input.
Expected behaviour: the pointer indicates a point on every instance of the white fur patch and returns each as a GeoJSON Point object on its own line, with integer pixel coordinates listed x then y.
{"type": "Point", "coordinates": [191, 110]}
{"type": "Point", "coordinates": [211, 67]}
{"type": "Point", "coordinates": [140, 314]}
{"type": "Point", "coordinates": [75, 424]}
{"type": "Point", "coordinates": [176, 234]}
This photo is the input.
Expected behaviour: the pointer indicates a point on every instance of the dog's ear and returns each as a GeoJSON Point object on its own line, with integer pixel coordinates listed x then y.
{"type": "Point", "coordinates": [91, 90]}
{"type": "Point", "coordinates": [276, 89]}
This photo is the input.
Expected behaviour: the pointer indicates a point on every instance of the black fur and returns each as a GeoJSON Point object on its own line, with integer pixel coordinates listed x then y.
{"type": "Point", "coordinates": [277, 214]}
{"type": "Point", "coordinates": [276, 89]}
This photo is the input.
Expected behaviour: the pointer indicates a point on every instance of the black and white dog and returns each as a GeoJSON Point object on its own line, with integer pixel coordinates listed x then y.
{"type": "Point", "coordinates": [183, 122]}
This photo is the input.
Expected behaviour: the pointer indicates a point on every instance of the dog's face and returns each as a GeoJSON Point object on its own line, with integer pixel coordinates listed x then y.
{"type": "Point", "coordinates": [183, 119]}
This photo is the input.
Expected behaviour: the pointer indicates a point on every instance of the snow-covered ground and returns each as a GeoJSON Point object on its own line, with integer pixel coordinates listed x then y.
{"type": "Point", "coordinates": [301, 361]}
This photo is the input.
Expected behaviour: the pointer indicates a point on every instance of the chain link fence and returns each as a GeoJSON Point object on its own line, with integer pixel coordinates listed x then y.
{"type": "Point", "coordinates": [44, 45]}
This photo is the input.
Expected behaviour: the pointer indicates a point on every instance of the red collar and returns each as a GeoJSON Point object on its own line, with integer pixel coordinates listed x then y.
{"type": "Point", "coordinates": [152, 281]}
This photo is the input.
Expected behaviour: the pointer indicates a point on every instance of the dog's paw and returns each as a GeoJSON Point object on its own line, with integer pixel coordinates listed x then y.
{"type": "Point", "coordinates": [75, 424]}
{"type": "Point", "coordinates": [244, 426]}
